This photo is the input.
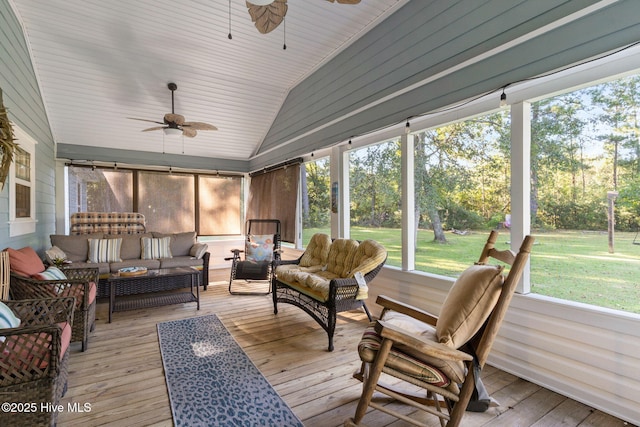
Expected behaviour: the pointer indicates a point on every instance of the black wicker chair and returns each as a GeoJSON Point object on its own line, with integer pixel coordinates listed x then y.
{"type": "Point", "coordinates": [261, 255]}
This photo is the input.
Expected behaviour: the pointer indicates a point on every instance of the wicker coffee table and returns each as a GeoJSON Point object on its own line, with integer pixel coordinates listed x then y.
{"type": "Point", "coordinates": [153, 289]}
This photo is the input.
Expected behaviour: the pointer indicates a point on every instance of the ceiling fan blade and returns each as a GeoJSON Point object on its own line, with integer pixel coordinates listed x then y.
{"type": "Point", "coordinates": [267, 18]}
{"type": "Point", "coordinates": [346, 1]}
{"type": "Point", "coordinates": [174, 118]}
{"type": "Point", "coordinates": [199, 126]}
{"type": "Point", "coordinates": [153, 128]}
{"type": "Point", "coordinates": [189, 132]}
{"type": "Point", "coordinates": [145, 120]}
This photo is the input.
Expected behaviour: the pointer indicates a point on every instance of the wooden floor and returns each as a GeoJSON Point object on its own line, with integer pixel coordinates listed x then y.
{"type": "Point", "coordinates": [121, 378]}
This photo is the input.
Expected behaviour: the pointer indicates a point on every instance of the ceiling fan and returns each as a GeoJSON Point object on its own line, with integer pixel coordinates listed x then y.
{"type": "Point", "coordinates": [175, 124]}
{"type": "Point", "coordinates": [268, 14]}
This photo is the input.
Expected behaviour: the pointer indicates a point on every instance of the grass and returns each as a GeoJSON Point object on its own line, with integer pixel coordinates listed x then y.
{"type": "Point", "coordinates": [571, 265]}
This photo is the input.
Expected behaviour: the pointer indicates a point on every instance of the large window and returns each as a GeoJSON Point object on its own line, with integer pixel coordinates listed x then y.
{"type": "Point", "coordinates": [375, 196]}
{"type": "Point", "coordinates": [170, 201]}
{"type": "Point", "coordinates": [585, 195]}
{"type": "Point", "coordinates": [461, 187]}
{"type": "Point", "coordinates": [316, 199]}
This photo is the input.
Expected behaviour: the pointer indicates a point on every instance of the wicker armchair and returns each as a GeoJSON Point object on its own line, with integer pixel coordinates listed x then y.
{"type": "Point", "coordinates": [34, 360]}
{"type": "Point", "coordinates": [81, 283]}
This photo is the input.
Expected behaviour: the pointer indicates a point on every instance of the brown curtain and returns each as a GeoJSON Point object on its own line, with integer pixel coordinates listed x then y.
{"type": "Point", "coordinates": [273, 195]}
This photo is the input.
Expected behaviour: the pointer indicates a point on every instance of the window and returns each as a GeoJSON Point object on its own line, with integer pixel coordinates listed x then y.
{"type": "Point", "coordinates": [316, 199]}
{"type": "Point", "coordinates": [170, 201]}
{"type": "Point", "coordinates": [375, 191]}
{"type": "Point", "coordinates": [22, 215]}
{"type": "Point", "coordinates": [585, 182]}
{"type": "Point", "coordinates": [461, 186]}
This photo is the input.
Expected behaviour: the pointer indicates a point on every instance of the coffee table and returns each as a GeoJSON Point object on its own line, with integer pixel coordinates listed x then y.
{"type": "Point", "coordinates": [153, 289]}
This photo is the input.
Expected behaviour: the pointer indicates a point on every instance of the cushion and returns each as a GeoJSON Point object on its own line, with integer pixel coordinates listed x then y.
{"type": "Point", "coordinates": [153, 248]}
{"type": "Point", "coordinates": [340, 256]}
{"type": "Point", "coordinates": [181, 243]}
{"type": "Point", "coordinates": [468, 304]}
{"type": "Point", "coordinates": [130, 248]}
{"type": "Point", "coordinates": [368, 256]}
{"type": "Point", "coordinates": [198, 250]}
{"type": "Point", "coordinates": [51, 273]}
{"type": "Point", "coordinates": [53, 254]}
{"type": "Point", "coordinates": [104, 250]}
{"type": "Point", "coordinates": [25, 261]}
{"type": "Point", "coordinates": [399, 360]}
{"type": "Point", "coordinates": [260, 248]}
{"type": "Point", "coordinates": [75, 247]}
{"type": "Point", "coordinates": [7, 319]}
{"type": "Point", "coordinates": [317, 251]}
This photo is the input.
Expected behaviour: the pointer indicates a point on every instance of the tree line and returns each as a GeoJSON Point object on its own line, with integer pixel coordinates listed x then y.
{"type": "Point", "coordinates": [584, 144]}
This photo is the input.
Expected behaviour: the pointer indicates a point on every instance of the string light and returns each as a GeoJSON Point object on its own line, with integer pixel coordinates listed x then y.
{"type": "Point", "coordinates": [407, 127]}
{"type": "Point", "coordinates": [503, 99]}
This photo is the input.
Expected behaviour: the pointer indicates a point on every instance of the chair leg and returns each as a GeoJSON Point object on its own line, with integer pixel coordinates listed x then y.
{"type": "Point", "coordinates": [369, 386]}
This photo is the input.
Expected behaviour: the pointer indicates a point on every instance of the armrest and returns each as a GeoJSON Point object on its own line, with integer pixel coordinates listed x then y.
{"type": "Point", "coordinates": [400, 307]}
{"type": "Point", "coordinates": [427, 347]}
{"type": "Point", "coordinates": [43, 311]}
{"type": "Point", "coordinates": [89, 274]}
{"type": "Point", "coordinates": [27, 288]}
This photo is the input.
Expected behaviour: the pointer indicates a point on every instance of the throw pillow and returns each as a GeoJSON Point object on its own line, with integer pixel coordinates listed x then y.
{"type": "Point", "coordinates": [104, 250]}
{"type": "Point", "coordinates": [198, 250]}
{"type": "Point", "coordinates": [155, 248]}
{"type": "Point", "coordinates": [260, 247]}
{"type": "Point", "coordinates": [53, 254]}
{"type": "Point", "coordinates": [51, 273]}
{"type": "Point", "coordinates": [468, 304]}
{"type": "Point", "coordinates": [7, 319]}
{"type": "Point", "coordinates": [25, 261]}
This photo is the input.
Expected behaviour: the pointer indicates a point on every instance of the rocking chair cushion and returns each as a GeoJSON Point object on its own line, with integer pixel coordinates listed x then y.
{"type": "Point", "coordinates": [468, 304]}
{"type": "Point", "coordinates": [399, 360]}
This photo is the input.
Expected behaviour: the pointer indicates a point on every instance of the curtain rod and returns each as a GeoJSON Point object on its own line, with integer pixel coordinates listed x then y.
{"type": "Point", "coordinates": [282, 165]}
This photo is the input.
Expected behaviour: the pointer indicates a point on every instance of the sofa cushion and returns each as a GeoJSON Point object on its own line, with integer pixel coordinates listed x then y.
{"type": "Point", "coordinates": [317, 250]}
{"type": "Point", "coordinates": [51, 273]}
{"type": "Point", "coordinates": [180, 261]}
{"type": "Point", "coordinates": [156, 248]}
{"type": "Point", "coordinates": [131, 246]}
{"type": "Point", "coordinates": [468, 304]}
{"type": "Point", "coordinates": [75, 247]}
{"type": "Point", "coordinates": [25, 261]}
{"type": "Point", "coordinates": [340, 256]}
{"type": "Point", "coordinates": [198, 250]}
{"type": "Point", "coordinates": [181, 243]}
{"type": "Point", "coordinates": [104, 250]}
{"type": "Point", "coordinates": [103, 267]}
{"type": "Point", "coordinates": [368, 256]}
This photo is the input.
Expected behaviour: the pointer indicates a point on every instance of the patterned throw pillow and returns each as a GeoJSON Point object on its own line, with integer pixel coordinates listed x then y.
{"type": "Point", "coordinates": [155, 248]}
{"type": "Point", "coordinates": [260, 248]}
{"type": "Point", "coordinates": [104, 250]}
{"type": "Point", "coordinates": [7, 319]}
{"type": "Point", "coordinates": [51, 273]}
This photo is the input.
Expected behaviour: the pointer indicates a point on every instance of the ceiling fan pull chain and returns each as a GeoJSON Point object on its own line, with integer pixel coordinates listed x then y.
{"type": "Point", "coordinates": [284, 26]}
{"type": "Point", "coordinates": [230, 36]}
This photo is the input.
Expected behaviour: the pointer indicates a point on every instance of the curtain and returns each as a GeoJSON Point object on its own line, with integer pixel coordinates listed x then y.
{"type": "Point", "coordinates": [274, 195]}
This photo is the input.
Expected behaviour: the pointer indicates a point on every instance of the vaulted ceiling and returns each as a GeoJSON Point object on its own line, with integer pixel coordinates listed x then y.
{"type": "Point", "coordinates": [100, 62]}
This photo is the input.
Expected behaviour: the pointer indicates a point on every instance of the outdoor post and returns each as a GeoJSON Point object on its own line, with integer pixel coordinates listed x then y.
{"type": "Point", "coordinates": [611, 197]}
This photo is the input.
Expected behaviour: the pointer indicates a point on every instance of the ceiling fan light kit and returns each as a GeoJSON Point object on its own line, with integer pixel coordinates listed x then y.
{"type": "Point", "coordinates": [172, 132]}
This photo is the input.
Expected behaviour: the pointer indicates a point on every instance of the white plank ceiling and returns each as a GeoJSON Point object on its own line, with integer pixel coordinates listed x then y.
{"type": "Point", "coordinates": [99, 62]}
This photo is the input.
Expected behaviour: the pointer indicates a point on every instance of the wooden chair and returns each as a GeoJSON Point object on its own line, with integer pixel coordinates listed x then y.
{"type": "Point", "coordinates": [439, 358]}
{"type": "Point", "coordinates": [81, 283]}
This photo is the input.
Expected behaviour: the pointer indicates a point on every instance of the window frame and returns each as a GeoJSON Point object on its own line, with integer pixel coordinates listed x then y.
{"type": "Point", "coordinates": [25, 225]}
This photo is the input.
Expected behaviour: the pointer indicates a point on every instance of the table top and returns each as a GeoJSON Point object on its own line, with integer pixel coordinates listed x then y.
{"type": "Point", "coordinates": [162, 272]}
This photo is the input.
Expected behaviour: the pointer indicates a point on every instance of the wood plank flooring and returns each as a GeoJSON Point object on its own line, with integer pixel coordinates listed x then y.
{"type": "Point", "coordinates": [121, 376]}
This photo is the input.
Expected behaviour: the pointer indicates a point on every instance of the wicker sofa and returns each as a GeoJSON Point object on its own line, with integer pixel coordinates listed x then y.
{"type": "Point", "coordinates": [34, 360]}
{"type": "Point", "coordinates": [322, 282]}
{"type": "Point", "coordinates": [185, 251]}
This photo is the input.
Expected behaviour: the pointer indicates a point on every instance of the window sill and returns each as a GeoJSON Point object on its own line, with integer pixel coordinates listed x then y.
{"type": "Point", "coordinates": [20, 227]}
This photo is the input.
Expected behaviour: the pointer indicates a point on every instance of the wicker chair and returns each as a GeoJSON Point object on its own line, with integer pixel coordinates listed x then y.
{"type": "Point", "coordinates": [81, 283]}
{"type": "Point", "coordinates": [34, 360]}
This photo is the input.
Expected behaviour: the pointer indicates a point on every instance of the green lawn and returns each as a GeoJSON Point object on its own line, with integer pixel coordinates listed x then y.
{"type": "Point", "coordinates": [571, 265]}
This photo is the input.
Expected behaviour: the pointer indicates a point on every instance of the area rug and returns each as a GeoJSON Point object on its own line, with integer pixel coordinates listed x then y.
{"type": "Point", "coordinates": [212, 382]}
